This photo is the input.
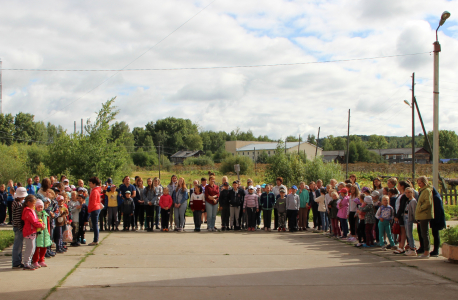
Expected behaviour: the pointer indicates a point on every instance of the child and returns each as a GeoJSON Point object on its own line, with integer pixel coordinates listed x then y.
{"type": "Point", "coordinates": [362, 225]}
{"type": "Point", "coordinates": [61, 221]}
{"type": "Point", "coordinates": [322, 209]}
{"type": "Point", "coordinates": [292, 208]}
{"type": "Point", "coordinates": [3, 204]}
{"type": "Point", "coordinates": [369, 220]}
{"type": "Point", "coordinates": [235, 201]}
{"type": "Point", "coordinates": [333, 210]}
{"type": "Point", "coordinates": [128, 209]}
{"type": "Point", "coordinates": [280, 206]}
{"type": "Point", "coordinates": [75, 208]}
{"type": "Point", "coordinates": [197, 205]}
{"type": "Point", "coordinates": [112, 209]}
{"type": "Point", "coordinates": [250, 207]}
{"type": "Point", "coordinates": [376, 202]}
{"type": "Point", "coordinates": [224, 206]}
{"type": "Point", "coordinates": [43, 238]}
{"type": "Point", "coordinates": [18, 226]}
{"type": "Point", "coordinates": [29, 232]}
{"type": "Point", "coordinates": [327, 201]}
{"type": "Point", "coordinates": [83, 219]}
{"type": "Point", "coordinates": [385, 214]}
{"type": "Point", "coordinates": [409, 219]}
{"type": "Point", "coordinates": [342, 214]}
{"type": "Point", "coordinates": [165, 202]}
{"type": "Point", "coordinates": [267, 201]}
{"type": "Point", "coordinates": [352, 216]}
{"type": "Point", "coordinates": [50, 219]}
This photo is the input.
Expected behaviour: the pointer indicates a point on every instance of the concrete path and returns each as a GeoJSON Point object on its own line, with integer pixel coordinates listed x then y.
{"type": "Point", "coordinates": [222, 265]}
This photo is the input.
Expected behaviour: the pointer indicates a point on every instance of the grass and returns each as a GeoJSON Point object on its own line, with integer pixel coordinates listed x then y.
{"type": "Point", "coordinates": [6, 238]}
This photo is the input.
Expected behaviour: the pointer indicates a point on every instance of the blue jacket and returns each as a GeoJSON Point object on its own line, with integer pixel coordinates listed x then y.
{"type": "Point", "coordinates": [84, 214]}
{"type": "Point", "coordinates": [31, 189]}
{"type": "Point", "coordinates": [267, 201]}
{"type": "Point", "coordinates": [181, 196]}
{"type": "Point", "coordinates": [438, 223]}
{"type": "Point", "coordinates": [3, 197]}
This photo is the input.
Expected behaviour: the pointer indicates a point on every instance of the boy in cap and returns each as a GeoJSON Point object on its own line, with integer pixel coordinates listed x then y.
{"type": "Point", "coordinates": [267, 203]}
{"type": "Point", "coordinates": [280, 206]}
{"type": "Point", "coordinates": [16, 208]}
{"type": "Point", "coordinates": [292, 207]}
{"type": "Point", "coordinates": [83, 219]}
{"type": "Point", "coordinates": [128, 209]}
{"type": "Point", "coordinates": [236, 196]}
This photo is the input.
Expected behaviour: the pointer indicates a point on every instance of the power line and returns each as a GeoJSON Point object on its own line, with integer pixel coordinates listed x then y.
{"type": "Point", "coordinates": [217, 67]}
{"type": "Point", "coordinates": [71, 102]}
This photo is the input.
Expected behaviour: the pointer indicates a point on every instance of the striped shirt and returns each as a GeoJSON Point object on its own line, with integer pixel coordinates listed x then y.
{"type": "Point", "coordinates": [17, 214]}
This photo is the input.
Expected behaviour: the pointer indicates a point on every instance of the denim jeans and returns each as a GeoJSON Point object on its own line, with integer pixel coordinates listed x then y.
{"type": "Point", "coordinates": [95, 224]}
{"type": "Point", "coordinates": [180, 215]}
{"type": "Point", "coordinates": [17, 246]}
{"type": "Point", "coordinates": [211, 214]}
{"type": "Point", "coordinates": [324, 220]}
{"type": "Point", "coordinates": [344, 224]}
{"type": "Point", "coordinates": [409, 231]}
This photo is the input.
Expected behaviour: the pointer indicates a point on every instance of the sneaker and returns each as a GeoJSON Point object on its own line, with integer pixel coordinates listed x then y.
{"type": "Point", "coordinates": [411, 253]}
{"type": "Point", "coordinates": [28, 268]}
{"type": "Point", "coordinates": [359, 245]}
{"type": "Point", "coordinates": [268, 229]}
{"type": "Point", "coordinates": [20, 266]}
{"type": "Point", "coordinates": [433, 254]}
{"type": "Point", "coordinates": [93, 244]}
{"type": "Point", "coordinates": [366, 246]}
{"type": "Point", "coordinates": [43, 265]}
{"type": "Point", "coordinates": [279, 229]}
{"type": "Point", "coordinates": [83, 242]}
{"type": "Point", "coordinates": [36, 265]}
{"type": "Point", "coordinates": [424, 256]}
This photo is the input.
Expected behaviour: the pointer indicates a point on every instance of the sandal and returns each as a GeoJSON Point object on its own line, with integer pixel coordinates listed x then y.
{"type": "Point", "coordinates": [399, 251]}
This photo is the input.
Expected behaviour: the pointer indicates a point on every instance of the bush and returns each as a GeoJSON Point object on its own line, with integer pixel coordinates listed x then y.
{"type": "Point", "coordinates": [143, 159]}
{"type": "Point", "coordinates": [447, 216]}
{"type": "Point", "coordinates": [198, 161]}
{"type": "Point", "coordinates": [165, 163]}
{"type": "Point", "coordinates": [317, 169]}
{"type": "Point", "coordinates": [451, 236]}
{"type": "Point", "coordinates": [6, 238]}
{"type": "Point", "coordinates": [227, 165]}
{"type": "Point", "coordinates": [13, 163]}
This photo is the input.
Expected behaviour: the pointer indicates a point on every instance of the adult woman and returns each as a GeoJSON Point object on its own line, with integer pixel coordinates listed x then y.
{"type": "Point", "coordinates": [10, 190]}
{"type": "Point", "coordinates": [377, 184]}
{"type": "Point", "coordinates": [353, 181]}
{"type": "Point", "coordinates": [211, 201]}
{"type": "Point", "coordinates": [180, 204]}
{"type": "Point", "coordinates": [148, 198]}
{"type": "Point", "coordinates": [172, 190]}
{"type": "Point", "coordinates": [424, 212]}
{"type": "Point", "coordinates": [399, 215]}
{"type": "Point", "coordinates": [139, 203]}
{"type": "Point", "coordinates": [94, 207]}
{"type": "Point", "coordinates": [438, 223]}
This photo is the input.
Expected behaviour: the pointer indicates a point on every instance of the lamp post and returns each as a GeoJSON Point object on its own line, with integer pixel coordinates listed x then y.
{"type": "Point", "coordinates": [437, 48]}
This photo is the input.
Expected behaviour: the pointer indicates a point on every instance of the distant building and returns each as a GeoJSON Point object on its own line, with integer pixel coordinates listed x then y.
{"type": "Point", "coordinates": [180, 156]}
{"type": "Point", "coordinates": [253, 149]}
{"type": "Point", "coordinates": [392, 156]}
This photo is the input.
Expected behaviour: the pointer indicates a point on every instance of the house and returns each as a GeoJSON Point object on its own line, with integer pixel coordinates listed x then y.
{"type": "Point", "coordinates": [404, 155]}
{"type": "Point", "coordinates": [180, 156]}
{"type": "Point", "coordinates": [337, 156]}
{"type": "Point", "coordinates": [253, 149]}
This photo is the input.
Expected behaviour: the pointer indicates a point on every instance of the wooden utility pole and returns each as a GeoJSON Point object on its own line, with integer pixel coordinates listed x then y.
{"type": "Point", "coordinates": [316, 149]}
{"type": "Point", "coordinates": [255, 164]}
{"type": "Point", "coordinates": [159, 160]}
{"type": "Point", "coordinates": [413, 129]}
{"type": "Point", "coordinates": [285, 146]}
{"type": "Point", "coordinates": [348, 144]}
{"type": "Point", "coordinates": [299, 145]}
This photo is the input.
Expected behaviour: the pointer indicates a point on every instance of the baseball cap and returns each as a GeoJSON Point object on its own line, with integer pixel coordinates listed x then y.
{"type": "Point", "coordinates": [65, 180]}
{"type": "Point", "coordinates": [365, 189]}
{"type": "Point", "coordinates": [251, 187]}
{"type": "Point", "coordinates": [109, 181]}
{"type": "Point", "coordinates": [226, 184]}
{"type": "Point", "coordinates": [343, 191]}
{"type": "Point", "coordinates": [263, 185]}
{"type": "Point", "coordinates": [282, 190]}
{"type": "Point", "coordinates": [375, 194]}
{"type": "Point", "coordinates": [294, 187]}
{"type": "Point", "coordinates": [127, 192]}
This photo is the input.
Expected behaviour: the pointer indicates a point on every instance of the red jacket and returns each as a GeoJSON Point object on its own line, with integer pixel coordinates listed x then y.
{"type": "Point", "coordinates": [94, 199]}
{"type": "Point", "coordinates": [165, 201]}
{"type": "Point", "coordinates": [31, 223]}
{"type": "Point", "coordinates": [212, 191]}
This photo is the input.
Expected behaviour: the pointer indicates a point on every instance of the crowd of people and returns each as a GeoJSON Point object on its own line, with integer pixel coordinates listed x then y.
{"type": "Point", "coordinates": [53, 214]}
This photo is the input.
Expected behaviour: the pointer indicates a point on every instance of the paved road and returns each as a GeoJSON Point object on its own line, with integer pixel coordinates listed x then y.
{"type": "Point", "coordinates": [140, 265]}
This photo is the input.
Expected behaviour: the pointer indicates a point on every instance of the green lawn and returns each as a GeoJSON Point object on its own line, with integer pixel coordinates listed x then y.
{"type": "Point", "coordinates": [6, 238]}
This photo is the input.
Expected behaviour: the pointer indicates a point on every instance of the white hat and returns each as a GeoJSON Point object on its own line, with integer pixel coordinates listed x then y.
{"type": "Point", "coordinates": [375, 194]}
{"type": "Point", "coordinates": [21, 192]}
{"type": "Point", "coordinates": [368, 200]}
{"type": "Point", "coordinates": [251, 187]}
{"type": "Point", "coordinates": [65, 180]}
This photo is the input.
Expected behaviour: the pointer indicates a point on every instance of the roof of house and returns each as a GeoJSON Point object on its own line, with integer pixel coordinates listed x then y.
{"type": "Point", "coordinates": [405, 151]}
{"type": "Point", "coordinates": [270, 146]}
{"type": "Point", "coordinates": [333, 153]}
{"type": "Point", "coordinates": [185, 153]}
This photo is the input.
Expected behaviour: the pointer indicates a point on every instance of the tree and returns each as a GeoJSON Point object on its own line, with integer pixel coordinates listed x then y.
{"type": "Point", "coordinates": [24, 128]}
{"type": "Point", "coordinates": [262, 158]}
{"type": "Point", "coordinates": [292, 138]}
{"type": "Point", "coordinates": [311, 139]}
{"type": "Point", "coordinates": [6, 129]}
{"type": "Point", "coordinates": [377, 142]}
{"type": "Point", "coordinates": [448, 143]}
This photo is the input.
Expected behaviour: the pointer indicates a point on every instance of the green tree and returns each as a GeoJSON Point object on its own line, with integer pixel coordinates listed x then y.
{"type": "Point", "coordinates": [121, 131]}
{"type": "Point", "coordinates": [448, 143]}
{"type": "Point", "coordinates": [6, 129]}
{"type": "Point", "coordinates": [292, 138]}
{"type": "Point", "coordinates": [377, 142]}
{"type": "Point", "coordinates": [262, 158]}
{"type": "Point", "coordinates": [24, 128]}
{"type": "Point", "coordinates": [227, 165]}
{"type": "Point", "coordinates": [311, 139]}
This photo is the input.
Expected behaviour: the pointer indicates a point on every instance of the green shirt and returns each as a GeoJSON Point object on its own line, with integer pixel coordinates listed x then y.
{"type": "Point", "coordinates": [304, 197]}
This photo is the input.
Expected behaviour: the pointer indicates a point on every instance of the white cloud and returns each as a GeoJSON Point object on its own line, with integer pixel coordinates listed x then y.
{"type": "Point", "coordinates": [277, 101]}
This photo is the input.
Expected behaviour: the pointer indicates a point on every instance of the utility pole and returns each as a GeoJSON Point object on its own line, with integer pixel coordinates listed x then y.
{"type": "Point", "coordinates": [1, 88]}
{"type": "Point", "coordinates": [74, 129]}
{"type": "Point", "coordinates": [159, 160]}
{"type": "Point", "coordinates": [413, 129]}
{"type": "Point", "coordinates": [348, 144]}
{"type": "Point", "coordinates": [299, 145]}
{"type": "Point", "coordinates": [285, 146]}
{"type": "Point", "coordinates": [316, 149]}
{"type": "Point", "coordinates": [82, 131]}
{"type": "Point", "coordinates": [255, 164]}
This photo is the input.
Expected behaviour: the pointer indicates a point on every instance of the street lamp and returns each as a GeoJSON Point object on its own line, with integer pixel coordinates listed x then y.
{"type": "Point", "coordinates": [437, 48]}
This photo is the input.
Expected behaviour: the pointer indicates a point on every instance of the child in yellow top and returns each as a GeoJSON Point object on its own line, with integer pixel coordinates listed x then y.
{"type": "Point", "coordinates": [112, 196]}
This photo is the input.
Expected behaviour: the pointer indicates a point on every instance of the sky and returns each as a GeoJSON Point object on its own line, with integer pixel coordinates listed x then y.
{"type": "Point", "coordinates": [277, 101]}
